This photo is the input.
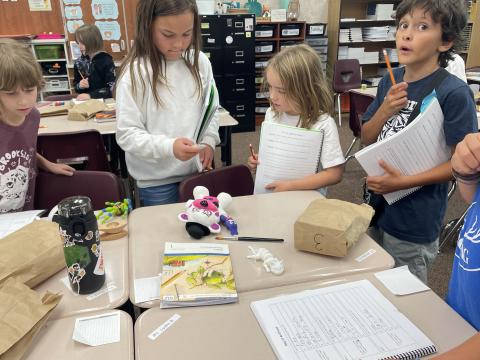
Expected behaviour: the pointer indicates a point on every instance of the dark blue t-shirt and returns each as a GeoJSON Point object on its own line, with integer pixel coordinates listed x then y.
{"type": "Point", "coordinates": [465, 280]}
{"type": "Point", "coordinates": [418, 217]}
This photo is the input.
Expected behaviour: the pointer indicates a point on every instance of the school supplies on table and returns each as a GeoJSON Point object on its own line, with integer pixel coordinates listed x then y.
{"type": "Point", "coordinates": [197, 274]}
{"type": "Point", "coordinates": [248, 238]}
{"type": "Point", "coordinates": [105, 116]}
{"type": "Point", "coordinates": [352, 320]}
{"type": "Point", "coordinates": [418, 147]}
{"type": "Point", "coordinates": [287, 153]}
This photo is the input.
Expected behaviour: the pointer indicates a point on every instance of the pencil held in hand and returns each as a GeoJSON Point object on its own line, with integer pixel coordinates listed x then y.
{"type": "Point", "coordinates": [387, 60]}
{"type": "Point", "coordinates": [251, 151]}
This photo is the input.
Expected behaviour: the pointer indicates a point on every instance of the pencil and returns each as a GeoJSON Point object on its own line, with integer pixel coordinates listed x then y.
{"type": "Point", "coordinates": [174, 277]}
{"type": "Point", "coordinates": [251, 151]}
{"type": "Point", "coordinates": [248, 238]}
{"type": "Point", "coordinates": [387, 60]}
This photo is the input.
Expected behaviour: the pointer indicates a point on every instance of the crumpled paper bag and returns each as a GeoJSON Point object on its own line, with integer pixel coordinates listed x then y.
{"type": "Point", "coordinates": [86, 110]}
{"type": "Point", "coordinates": [32, 254]}
{"type": "Point", "coordinates": [22, 314]}
{"type": "Point", "coordinates": [331, 227]}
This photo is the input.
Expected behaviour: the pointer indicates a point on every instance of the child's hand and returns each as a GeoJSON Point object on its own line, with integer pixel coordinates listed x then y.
{"type": "Point", "coordinates": [395, 100]}
{"type": "Point", "coordinates": [392, 180]}
{"type": "Point", "coordinates": [59, 169]}
{"type": "Point", "coordinates": [206, 156]}
{"type": "Point", "coordinates": [466, 159]}
{"type": "Point", "coordinates": [184, 149]}
{"type": "Point", "coordinates": [252, 162]}
{"type": "Point", "coordinates": [278, 186]}
{"type": "Point", "coordinates": [83, 97]}
{"type": "Point", "coordinates": [84, 84]}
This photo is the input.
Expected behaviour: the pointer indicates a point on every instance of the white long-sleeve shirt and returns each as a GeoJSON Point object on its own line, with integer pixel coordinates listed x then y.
{"type": "Point", "coordinates": [146, 132]}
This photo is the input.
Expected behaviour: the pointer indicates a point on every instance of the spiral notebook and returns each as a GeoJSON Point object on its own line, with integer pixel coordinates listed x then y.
{"type": "Point", "coordinates": [347, 321]}
{"type": "Point", "coordinates": [286, 153]}
{"type": "Point", "coordinates": [417, 148]}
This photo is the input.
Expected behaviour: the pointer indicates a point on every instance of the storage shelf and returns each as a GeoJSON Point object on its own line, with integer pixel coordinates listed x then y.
{"type": "Point", "coordinates": [51, 60]}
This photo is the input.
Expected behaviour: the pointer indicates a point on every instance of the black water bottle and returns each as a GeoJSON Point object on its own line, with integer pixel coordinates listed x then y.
{"type": "Point", "coordinates": [81, 244]}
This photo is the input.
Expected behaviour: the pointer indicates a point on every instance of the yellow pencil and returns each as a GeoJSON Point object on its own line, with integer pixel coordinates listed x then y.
{"type": "Point", "coordinates": [169, 281]}
{"type": "Point", "coordinates": [387, 60]}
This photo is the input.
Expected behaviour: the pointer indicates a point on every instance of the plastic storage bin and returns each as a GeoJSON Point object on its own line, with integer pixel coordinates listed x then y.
{"type": "Point", "coordinates": [57, 85]}
{"type": "Point", "coordinates": [264, 31]}
{"type": "Point", "coordinates": [317, 29]}
{"type": "Point", "coordinates": [265, 47]}
{"type": "Point", "coordinates": [54, 68]}
{"type": "Point", "coordinates": [290, 30]}
{"type": "Point", "coordinates": [45, 52]}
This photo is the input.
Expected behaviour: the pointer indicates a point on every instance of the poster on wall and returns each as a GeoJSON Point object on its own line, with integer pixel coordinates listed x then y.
{"type": "Point", "coordinates": [39, 5]}
{"type": "Point", "coordinates": [73, 25]}
{"type": "Point", "coordinates": [104, 9]}
{"type": "Point", "coordinates": [110, 29]}
{"type": "Point", "coordinates": [75, 50]}
{"type": "Point", "coordinates": [73, 12]}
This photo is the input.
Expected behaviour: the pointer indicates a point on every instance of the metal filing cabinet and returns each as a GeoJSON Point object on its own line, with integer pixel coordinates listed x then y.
{"type": "Point", "coordinates": [229, 42]}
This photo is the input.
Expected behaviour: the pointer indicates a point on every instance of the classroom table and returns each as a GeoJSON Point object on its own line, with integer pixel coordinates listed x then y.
{"type": "Point", "coordinates": [369, 91]}
{"type": "Point", "coordinates": [265, 215]}
{"type": "Point", "coordinates": [113, 294]}
{"type": "Point", "coordinates": [232, 332]}
{"type": "Point", "coordinates": [54, 341]}
{"type": "Point", "coordinates": [60, 124]}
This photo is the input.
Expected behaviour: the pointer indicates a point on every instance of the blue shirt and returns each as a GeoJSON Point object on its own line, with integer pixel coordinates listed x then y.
{"type": "Point", "coordinates": [463, 291]}
{"type": "Point", "coordinates": [418, 217]}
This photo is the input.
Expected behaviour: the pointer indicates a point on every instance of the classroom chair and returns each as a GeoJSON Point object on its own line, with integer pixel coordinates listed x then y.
{"type": "Point", "coordinates": [358, 105]}
{"type": "Point", "coordinates": [236, 180]}
{"type": "Point", "coordinates": [99, 186]}
{"type": "Point", "coordinates": [82, 149]}
{"type": "Point", "coordinates": [62, 97]}
{"type": "Point", "coordinates": [346, 76]}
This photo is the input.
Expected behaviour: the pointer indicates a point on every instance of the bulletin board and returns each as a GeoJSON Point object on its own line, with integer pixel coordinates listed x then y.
{"type": "Point", "coordinates": [31, 22]}
{"type": "Point", "coordinates": [109, 17]}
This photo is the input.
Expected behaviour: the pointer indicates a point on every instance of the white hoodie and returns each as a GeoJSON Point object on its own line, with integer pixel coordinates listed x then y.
{"type": "Point", "coordinates": [146, 132]}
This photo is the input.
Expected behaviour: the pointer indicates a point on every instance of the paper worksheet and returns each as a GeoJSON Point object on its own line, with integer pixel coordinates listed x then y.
{"type": "Point", "coordinates": [11, 222]}
{"type": "Point", "coordinates": [287, 153]}
{"type": "Point", "coordinates": [97, 330]}
{"type": "Point", "coordinates": [417, 148]}
{"type": "Point", "coordinates": [400, 281]}
{"type": "Point", "coordinates": [347, 321]}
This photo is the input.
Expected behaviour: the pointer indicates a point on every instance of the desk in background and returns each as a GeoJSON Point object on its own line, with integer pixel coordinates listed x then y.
{"type": "Point", "coordinates": [115, 253]}
{"type": "Point", "coordinates": [267, 215]}
{"type": "Point", "coordinates": [60, 124]}
{"type": "Point", "coordinates": [54, 341]}
{"type": "Point", "coordinates": [232, 332]}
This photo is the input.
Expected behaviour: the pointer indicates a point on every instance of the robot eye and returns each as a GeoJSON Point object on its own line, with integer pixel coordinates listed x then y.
{"type": "Point", "coordinates": [215, 203]}
{"type": "Point", "coordinates": [204, 203]}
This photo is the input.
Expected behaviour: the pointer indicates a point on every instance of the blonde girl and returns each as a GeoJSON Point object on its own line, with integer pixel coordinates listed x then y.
{"type": "Point", "coordinates": [300, 96]}
{"type": "Point", "coordinates": [159, 99]}
{"type": "Point", "coordinates": [20, 80]}
{"type": "Point", "coordinates": [94, 71]}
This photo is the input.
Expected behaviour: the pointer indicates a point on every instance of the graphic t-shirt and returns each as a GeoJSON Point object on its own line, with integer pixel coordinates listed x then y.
{"type": "Point", "coordinates": [18, 150]}
{"type": "Point", "coordinates": [464, 287]}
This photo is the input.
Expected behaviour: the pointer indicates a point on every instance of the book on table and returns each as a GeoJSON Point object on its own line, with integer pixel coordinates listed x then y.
{"type": "Point", "coordinates": [197, 274]}
{"type": "Point", "coordinates": [346, 321]}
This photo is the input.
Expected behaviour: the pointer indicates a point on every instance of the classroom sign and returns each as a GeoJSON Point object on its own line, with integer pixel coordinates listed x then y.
{"type": "Point", "coordinates": [104, 9]}
{"type": "Point", "coordinates": [73, 12]}
{"type": "Point", "coordinates": [71, 2]}
{"type": "Point", "coordinates": [110, 30]}
{"type": "Point", "coordinates": [73, 25]}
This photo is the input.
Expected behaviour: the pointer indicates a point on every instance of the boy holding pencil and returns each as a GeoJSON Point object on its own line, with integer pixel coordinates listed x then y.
{"type": "Point", "coordinates": [426, 33]}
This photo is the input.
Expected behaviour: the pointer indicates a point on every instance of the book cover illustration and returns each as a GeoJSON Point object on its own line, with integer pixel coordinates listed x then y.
{"type": "Point", "coordinates": [197, 274]}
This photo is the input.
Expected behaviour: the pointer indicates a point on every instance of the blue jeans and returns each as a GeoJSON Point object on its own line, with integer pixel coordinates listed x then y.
{"type": "Point", "coordinates": [158, 195]}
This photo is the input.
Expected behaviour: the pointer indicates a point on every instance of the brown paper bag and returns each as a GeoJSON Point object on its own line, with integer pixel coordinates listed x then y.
{"type": "Point", "coordinates": [331, 227]}
{"type": "Point", "coordinates": [52, 110]}
{"type": "Point", "coordinates": [32, 254]}
{"type": "Point", "coordinates": [85, 110]}
{"type": "Point", "coordinates": [22, 314]}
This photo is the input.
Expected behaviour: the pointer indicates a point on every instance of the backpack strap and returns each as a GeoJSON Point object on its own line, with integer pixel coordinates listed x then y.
{"type": "Point", "coordinates": [436, 80]}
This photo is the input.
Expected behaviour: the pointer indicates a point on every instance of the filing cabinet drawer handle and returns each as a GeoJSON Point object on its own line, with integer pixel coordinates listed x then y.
{"type": "Point", "coordinates": [239, 53]}
{"type": "Point", "coordinates": [239, 81]}
{"type": "Point", "coordinates": [238, 24]}
{"type": "Point", "coordinates": [240, 107]}
{"type": "Point", "coordinates": [240, 115]}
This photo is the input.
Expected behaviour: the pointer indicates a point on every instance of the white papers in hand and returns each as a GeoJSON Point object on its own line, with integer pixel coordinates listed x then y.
{"type": "Point", "coordinates": [286, 153]}
{"type": "Point", "coordinates": [417, 148]}
{"type": "Point", "coordinates": [97, 330]}
{"type": "Point", "coordinates": [400, 281]}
